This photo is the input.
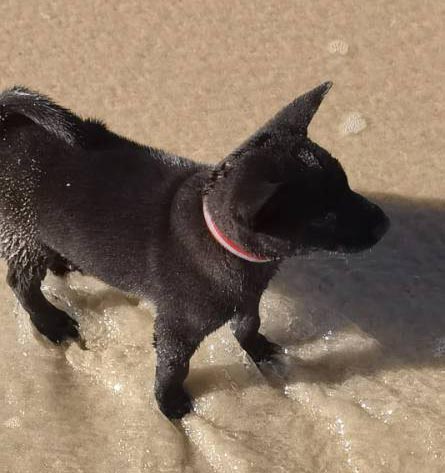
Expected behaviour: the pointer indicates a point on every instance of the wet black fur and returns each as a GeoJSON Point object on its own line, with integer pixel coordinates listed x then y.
{"type": "Point", "coordinates": [74, 195]}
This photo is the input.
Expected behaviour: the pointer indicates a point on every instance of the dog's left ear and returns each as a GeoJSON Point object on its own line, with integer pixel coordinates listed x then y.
{"type": "Point", "coordinates": [292, 120]}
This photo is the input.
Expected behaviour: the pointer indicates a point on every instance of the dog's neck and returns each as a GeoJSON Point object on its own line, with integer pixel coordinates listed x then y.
{"type": "Point", "coordinates": [234, 248]}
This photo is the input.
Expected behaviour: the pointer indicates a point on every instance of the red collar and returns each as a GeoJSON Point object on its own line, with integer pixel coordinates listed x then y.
{"type": "Point", "coordinates": [227, 243]}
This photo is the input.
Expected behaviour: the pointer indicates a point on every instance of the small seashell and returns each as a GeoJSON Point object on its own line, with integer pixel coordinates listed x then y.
{"type": "Point", "coordinates": [13, 423]}
{"type": "Point", "coordinates": [338, 46]}
{"type": "Point", "coordinates": [354, 123]}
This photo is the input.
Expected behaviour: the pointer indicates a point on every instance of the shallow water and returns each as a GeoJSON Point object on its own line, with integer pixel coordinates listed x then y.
{"type": "Point", "coordinates": [362, 385]}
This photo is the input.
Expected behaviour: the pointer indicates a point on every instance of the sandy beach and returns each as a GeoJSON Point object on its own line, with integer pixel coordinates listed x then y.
{"type": "Point", "coordinates": [362, 387]}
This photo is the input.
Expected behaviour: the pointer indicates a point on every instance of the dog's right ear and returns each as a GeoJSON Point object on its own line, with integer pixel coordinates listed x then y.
{"type": "Point", "coordinates": [292, 121]}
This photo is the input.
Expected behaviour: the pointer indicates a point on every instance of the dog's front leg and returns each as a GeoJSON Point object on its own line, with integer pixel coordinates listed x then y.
{"type": "Point", "coordinates": [172, 366]}
{"type": "Point", "coordinates": [245, 326]}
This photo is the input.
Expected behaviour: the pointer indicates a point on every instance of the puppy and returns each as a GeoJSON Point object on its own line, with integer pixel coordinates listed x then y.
{"type": "Point", "coordinates": [201, 241]}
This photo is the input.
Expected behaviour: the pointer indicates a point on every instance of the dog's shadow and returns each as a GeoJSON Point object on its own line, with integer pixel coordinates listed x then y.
{"type": "Point", "coordinates": [394, 295]}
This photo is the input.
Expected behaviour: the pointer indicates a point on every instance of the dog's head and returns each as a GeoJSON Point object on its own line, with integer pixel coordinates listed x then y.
{"type": "Point", "coordinates": [280, 193]}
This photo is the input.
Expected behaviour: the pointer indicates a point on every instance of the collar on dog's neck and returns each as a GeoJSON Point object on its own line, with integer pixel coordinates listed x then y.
{"type": "Point", "coordinates": [227, 243]}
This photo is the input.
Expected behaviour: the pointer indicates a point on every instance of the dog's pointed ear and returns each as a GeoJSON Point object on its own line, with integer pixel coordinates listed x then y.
{"type": "Point", "coordinates": [299, 113]}
{"type": "Point", "coordinates": [292, 120]}
{"type": "Point", "coordinates": [297, 116]}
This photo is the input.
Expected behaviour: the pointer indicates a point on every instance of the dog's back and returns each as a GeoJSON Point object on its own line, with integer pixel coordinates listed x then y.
{"type": "Point", "coordinates": [71, 187]}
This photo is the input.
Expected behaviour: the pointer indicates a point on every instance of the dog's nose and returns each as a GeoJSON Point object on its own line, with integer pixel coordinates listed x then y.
{"type": "Point", "coordinates": [381, 228]}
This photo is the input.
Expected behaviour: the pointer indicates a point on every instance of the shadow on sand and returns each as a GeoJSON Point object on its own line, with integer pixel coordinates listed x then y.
{"type": "Point", "coordinates": [394, 294]}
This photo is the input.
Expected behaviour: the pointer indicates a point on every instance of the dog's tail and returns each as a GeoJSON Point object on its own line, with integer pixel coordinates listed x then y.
{"type": "Point", "coordinates": [42, 111]}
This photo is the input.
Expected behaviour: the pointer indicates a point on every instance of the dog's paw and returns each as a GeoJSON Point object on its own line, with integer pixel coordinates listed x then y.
{"type": "Point", "coordinates": [177, 406]}
{"type": "Point", "coordinates": [57, 327]}
{"type": "Point", "coordinates": [264, 351]}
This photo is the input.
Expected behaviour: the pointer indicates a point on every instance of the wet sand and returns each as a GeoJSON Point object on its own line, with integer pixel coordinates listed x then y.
{"type": "Point", "coordinates": [362, 387]}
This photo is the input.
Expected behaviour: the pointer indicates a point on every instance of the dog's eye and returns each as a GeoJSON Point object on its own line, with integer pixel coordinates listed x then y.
{"type": "Point", "coordinates": [330, 218]}
{"type": "Point", "coordinates": [336, 187]}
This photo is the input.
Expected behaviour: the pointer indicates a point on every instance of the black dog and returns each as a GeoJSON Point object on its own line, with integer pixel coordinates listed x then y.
{"type": "Point", "coordinates": [201, 241]}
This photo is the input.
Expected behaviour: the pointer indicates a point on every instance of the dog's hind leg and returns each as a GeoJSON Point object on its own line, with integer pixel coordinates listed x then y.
{"type": "Point", "coordinates": [245, 326]}
{"type": "Point", "coordinates": [25, 281]}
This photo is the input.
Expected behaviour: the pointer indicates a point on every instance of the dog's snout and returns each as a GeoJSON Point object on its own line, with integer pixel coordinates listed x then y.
{"type": "Point", "coordinates": [381, 228]}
